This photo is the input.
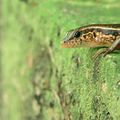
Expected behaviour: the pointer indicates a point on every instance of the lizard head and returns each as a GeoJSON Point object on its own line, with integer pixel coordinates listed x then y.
{"type": "Point", "coordinates": [72, 39]}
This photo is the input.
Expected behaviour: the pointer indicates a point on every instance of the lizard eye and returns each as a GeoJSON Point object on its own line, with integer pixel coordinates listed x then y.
{"type": "Point", "coordinates": [77, 34]}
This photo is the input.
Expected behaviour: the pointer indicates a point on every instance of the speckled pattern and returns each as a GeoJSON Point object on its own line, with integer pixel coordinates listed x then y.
{"type": "Point", "coordinates": [93, 36]}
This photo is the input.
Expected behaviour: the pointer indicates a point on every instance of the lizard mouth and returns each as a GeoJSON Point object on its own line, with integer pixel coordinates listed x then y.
{"type": "Point", "coordinates": [70, 44]}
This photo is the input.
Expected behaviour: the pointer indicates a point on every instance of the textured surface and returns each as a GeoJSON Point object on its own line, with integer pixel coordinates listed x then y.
{"type": "Point", "coordinates": [42, 81]}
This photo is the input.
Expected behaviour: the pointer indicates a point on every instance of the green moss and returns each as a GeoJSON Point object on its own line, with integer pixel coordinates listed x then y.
{"type": "Point", "coordinates": [43, 81]}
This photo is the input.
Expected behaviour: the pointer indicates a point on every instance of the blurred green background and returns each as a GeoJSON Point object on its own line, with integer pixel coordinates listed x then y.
{"type": "Point", "coordinates": [42, 81]}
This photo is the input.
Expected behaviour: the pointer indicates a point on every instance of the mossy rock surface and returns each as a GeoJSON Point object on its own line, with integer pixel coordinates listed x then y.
{"type": "Point", "coordinates": [42, 81]}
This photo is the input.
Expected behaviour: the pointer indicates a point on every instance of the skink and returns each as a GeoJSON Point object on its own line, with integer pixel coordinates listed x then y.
{"type": "Point", "coordinates": [95, 35]}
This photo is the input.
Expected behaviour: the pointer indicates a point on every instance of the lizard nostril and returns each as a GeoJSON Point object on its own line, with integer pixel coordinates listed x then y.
{"type": "Point", "coordinates": [64, 41]}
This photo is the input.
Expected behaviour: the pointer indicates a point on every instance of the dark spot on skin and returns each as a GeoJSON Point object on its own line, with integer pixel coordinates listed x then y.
{"type": "Point", "coordinates": [84, 36]}
{"type": "Point", "coordinates": [94, 34]}
{"type": "Point", "coordinates": [77, 34]}
{"type": "Point", "coordinates": [80, 41]}
{"type": "Point", "coordinates": [72, 42]}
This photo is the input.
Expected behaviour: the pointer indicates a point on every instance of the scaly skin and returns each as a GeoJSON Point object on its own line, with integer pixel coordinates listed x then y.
{"type": "Point", "coordinates": [96, 35]}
